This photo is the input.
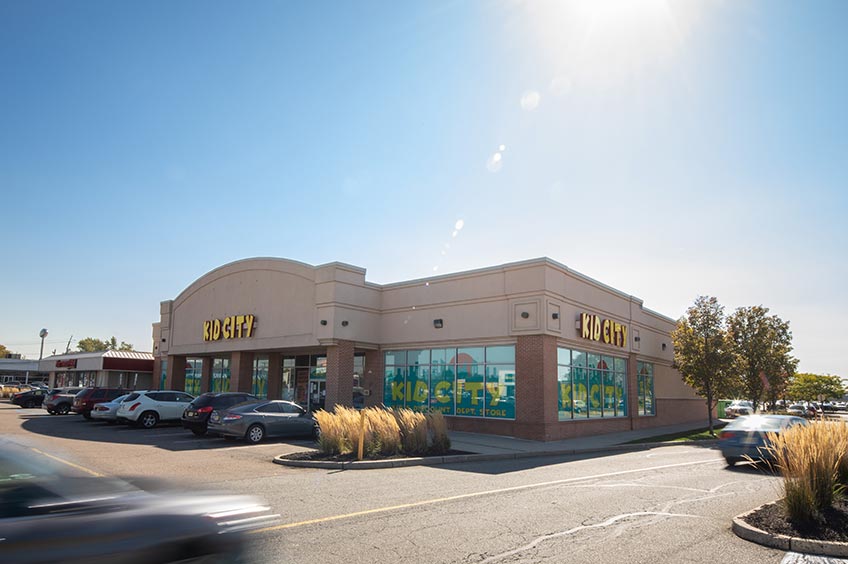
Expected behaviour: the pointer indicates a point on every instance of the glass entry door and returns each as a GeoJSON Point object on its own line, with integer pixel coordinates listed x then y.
{"type": "Point", "coordinates": [317, 394]}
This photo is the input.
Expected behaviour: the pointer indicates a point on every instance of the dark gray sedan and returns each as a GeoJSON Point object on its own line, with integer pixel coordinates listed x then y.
{"type": "Point", "coordinates": [254, 421]}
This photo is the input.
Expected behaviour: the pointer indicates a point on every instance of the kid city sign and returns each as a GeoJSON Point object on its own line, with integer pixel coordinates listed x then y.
{"type": "Point", "coordinates": [607, 331]}
{"type": "Point", "coordinates": [232, 327]}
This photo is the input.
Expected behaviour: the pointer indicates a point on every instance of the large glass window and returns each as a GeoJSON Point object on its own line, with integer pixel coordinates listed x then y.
{"type": "Point", "coordinates": [194, 369]}
{"type": "Point", "coordinates": [470, 382]}
{"type": "Point", "coordinates": [645, 387]}
{"type": "Point", "coordinates": [287, 379]}
{"type": "Point", "coordinates": [220, 374]}
{"type": "Point", "coordinates": [260, 376]}
{"type": "Point", "coordinates": [590, 385]}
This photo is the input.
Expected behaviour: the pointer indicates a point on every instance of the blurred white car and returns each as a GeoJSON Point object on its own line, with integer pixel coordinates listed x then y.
{"type": "Point", "coordinates": [738, 408]}
{"type": "Point", "coordinates": [147, 408]}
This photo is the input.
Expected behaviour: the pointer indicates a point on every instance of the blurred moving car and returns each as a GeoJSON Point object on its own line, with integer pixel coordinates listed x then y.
{"type": "Point", "coordinates": [49, 516]}
{"type": "Point", "coordinates": [147, 408]}
{"type": "Point", "coordinates": [738, 408]}
{"type": "Point", "coordinates": [257, 420]}
{"type": "Point", "coordinates": [85, 400]}
{"type": "Point", "coordinates": [29, 399]}
{"type": "Point", "coordinates": [108, 411]}
{"type": "Point", "coordinates": [196, 416]}
{"type": "Point", "coordinates": [747, 436]}
{"type": "Point", "coordinates": [59, 401]}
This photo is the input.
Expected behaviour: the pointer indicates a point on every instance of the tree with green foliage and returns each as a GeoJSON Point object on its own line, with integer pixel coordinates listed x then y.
{"type": "Point", "coordinates": [4, 351]}
{"type": "Point", "coordinates": [703, 354]}
{"type": "Point", "coordinates": [761, 344]}
{"type": "Point", "coordinates": [91, 344]}
{"type": "Point", "coordinates": [808, 387]}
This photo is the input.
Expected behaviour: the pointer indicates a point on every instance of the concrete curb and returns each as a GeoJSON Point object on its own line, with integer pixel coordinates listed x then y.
{"type": "Point", "coordinates": [783, 542]}
{"type": "Point", "coordinates": [462, 458]}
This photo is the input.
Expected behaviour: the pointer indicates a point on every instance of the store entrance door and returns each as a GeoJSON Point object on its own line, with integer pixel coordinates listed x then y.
{"type": "Point", "coordinates": [317, 394]}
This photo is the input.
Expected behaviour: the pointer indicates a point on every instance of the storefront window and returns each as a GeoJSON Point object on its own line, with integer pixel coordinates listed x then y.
{"type": "Point", "coordinates": [590, 385]}
{"type": "Point", "coordinates": [260, 376]}
{"type": "Point", "coordinates": [194, 370]}
{"type": "Point", "coordinates": [645, 386]}
{"type": "Point", "coordinates": [287, 383]}
{"type": "Point", "coordinates": [472, 382]}
{"type": "Point", "coordinates": [220, 375]}
{"type": "Point", "coordinates": [163, 372]}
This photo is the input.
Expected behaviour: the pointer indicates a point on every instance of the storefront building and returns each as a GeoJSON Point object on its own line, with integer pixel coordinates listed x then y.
{"type": "Point", "coordinates": [104, 369]}
{"type": "Point", "coordinates": [530, 349]}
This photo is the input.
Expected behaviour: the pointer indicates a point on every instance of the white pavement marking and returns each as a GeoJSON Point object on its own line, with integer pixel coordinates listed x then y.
{"type": "Point", "coordinates": [798, 558]}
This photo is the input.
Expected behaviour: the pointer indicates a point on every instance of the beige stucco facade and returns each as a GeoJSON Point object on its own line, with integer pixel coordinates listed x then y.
{"type": "Point", "coordinates": [277, 308]}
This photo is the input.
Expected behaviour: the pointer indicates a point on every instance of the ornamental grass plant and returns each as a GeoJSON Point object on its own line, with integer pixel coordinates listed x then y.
{"type": "Point", "coordinates": [813, 461]}
{"type": "Point", "coordinates": [387, 432]}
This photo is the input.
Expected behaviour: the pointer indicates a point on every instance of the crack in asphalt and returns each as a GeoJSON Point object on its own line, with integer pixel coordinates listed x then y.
{"type": "Point", "coordinates": [611, 521]}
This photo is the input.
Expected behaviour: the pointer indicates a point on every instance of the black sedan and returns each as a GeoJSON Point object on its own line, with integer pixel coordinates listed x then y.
{"type": "Point", "coordinates": [30, 398]}
{"type": "Point", "coordinates": [196, 416]}
{"type": "Point", "coordinates": [257, 420]}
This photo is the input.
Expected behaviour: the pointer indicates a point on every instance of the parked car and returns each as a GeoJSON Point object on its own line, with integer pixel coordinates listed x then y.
{"type": "Point", "coordinates": [738, 408]}
{"type": "Point", "coordinates": [108, 411]}
{"type": "Point", "coordinates": [254, 421]}
{"type": "Point", "coordinates": [47, 515]}
{"type": "Point", "coordinates": [85, 400]}
{"type": "Point", "coordinates": [147, 408]}
{"type": "Point", "coordinates": [59, 401]}
{"type": "Point", "coordinates": [803, 410]}
{"type": "Point", "coordinates": [196, 416]}
{"type": "Point", "coordinates": [28, 399]}
{"type": "Point", "coordinates": [748, 435]}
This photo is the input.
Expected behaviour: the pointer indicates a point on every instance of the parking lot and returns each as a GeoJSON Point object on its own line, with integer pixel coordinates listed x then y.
{"type": "Point", "coordinates": [167, 450]}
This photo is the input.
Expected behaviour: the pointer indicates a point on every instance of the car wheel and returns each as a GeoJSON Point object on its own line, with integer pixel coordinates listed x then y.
{"type": "Point", "coordinates": [87, 416]}
{"type": "Point", "coordinates": [731, 460]}
{"type": "Point", "coordinates": [316, 432]}
{"type": "Point", "coordinates": [199, 432]}
{"type": "Point", "coordinates": [51, 412]}
{"type": "Point", "coordinates": [148, 419]}
{"type": "Point", "coordinates": [63, 409]}
{"type": "Point", "coordinates": [255, 434]}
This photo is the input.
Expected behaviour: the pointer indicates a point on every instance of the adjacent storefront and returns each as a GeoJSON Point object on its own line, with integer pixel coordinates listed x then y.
{"type": "Point", "coordinates": [529, 349]}
{"type": "Point", "coordinates": [105, 369]}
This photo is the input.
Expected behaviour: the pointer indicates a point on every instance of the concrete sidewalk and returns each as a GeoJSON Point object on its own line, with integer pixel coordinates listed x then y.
{"type": "Point", "coordinates": [494, 444]}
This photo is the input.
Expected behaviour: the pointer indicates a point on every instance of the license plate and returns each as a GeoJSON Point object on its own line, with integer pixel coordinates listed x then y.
{"type": "Point", "coordinates": [215, 416]}
{"type": "Point", "coordinates": [190, 414]}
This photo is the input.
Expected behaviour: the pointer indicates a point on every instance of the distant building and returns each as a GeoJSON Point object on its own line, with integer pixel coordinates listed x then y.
{"type": "Point", "coordinates": [106, 369]}
{"type": "Point", "coordinates": [20, 370]}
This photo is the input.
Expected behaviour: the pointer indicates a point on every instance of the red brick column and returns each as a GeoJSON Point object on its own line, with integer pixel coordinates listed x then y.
{"type": "Point", "coordinates": [536, 387]}
{"type": "Point", "coordinates": [175, 379]}
{"type": "Point", "coordinates": [241, 372]}
{"type": "Point", "coordinates": [632, 390]}
{"type": "Point", "coordinates": [205, 374]}
{"type": "Point", "coordinates": [275, 374]}
{"type": "Point", "coordinates": [372, 377]}
{"type": "Point", "coordinates": [339, 375]}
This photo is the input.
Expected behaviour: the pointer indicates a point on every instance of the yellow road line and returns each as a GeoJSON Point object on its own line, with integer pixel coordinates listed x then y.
{"type": "Point", "coordinates": [63, 461]}
{"type": "Point", "coordinates": [474, 494]}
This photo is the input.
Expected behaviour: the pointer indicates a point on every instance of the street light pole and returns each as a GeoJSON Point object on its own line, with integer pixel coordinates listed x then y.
{"type": "Point", "coordinates": [42, 334]}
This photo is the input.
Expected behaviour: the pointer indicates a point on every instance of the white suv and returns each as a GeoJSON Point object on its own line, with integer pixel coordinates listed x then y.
{"type": "Point", "coordinates": [147, 408]}
{"type": "Point", "coordinates": [738, 408]}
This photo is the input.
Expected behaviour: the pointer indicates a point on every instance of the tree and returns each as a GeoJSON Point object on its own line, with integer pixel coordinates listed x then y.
{"type": "Point", "coordinates": [761, 344]}
{"type": "Point", "coordinates": [703, 353]}
{"type": "Point", "coordinates": [4, 351]}
{"type": "Point", "coordinates": [809, 387]}
{"type": "Point", "coordinates": [90, 344]}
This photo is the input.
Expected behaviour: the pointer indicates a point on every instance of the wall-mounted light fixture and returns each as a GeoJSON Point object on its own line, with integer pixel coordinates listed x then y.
{"type": "Point", "coordinates": [554, 315]}
{"type": "Point", "coordinates": [344, 323]}
{"type": "Point", "coordinates": [637, 338]}
{"type": "Point", "coordinates": [163, 339]}
{"type": "Point", "coordinates": [577, 323]}
{"type": "Point", "coordinates": [663, 346]}
{"type": "Point", "coordinates": [323, 322]}
{"type": "Point", "coordinates": [438, 323]}
{"type": "Point", "coordinates": [524, 315]}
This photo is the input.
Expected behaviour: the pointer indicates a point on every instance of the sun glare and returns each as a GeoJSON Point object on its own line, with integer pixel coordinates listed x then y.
{"type": "Point", "coordinates": [597, 43]}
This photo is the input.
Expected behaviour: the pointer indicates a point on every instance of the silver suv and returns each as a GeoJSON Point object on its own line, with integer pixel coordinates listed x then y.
{"type": "Point", "coordinates": [59, 401]}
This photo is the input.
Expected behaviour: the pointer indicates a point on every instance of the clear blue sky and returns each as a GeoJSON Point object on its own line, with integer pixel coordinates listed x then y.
{"type": "Point", "coordinates": [668, 149]}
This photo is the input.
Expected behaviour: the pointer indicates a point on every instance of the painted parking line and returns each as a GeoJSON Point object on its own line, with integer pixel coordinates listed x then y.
{"type": "Point", "coordinates": [476, 494]}
{"type": "Point", "coordinates": [69, 463]}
